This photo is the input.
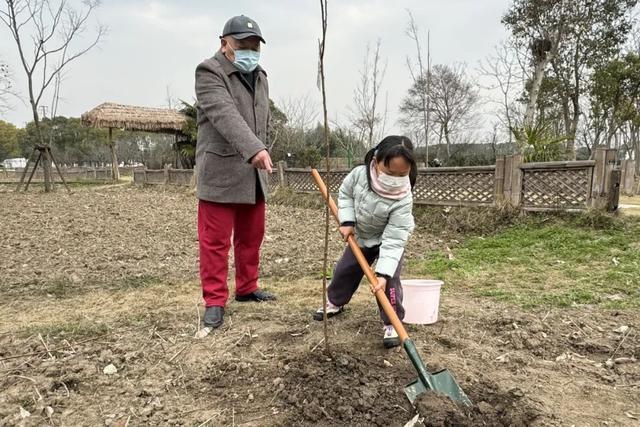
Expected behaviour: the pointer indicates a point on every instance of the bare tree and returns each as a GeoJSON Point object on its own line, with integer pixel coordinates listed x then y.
{"type": "Point", "coordinates": [170, 99]}
{"type": "Point", "coordinates": [301, 117]}
{"type": "Point", "coordinates": [453, 98]}
{"type": "Point", "coordinates": [322, 84]}
{"type": "Point", "coordinates": [366, 117]}
{"type": "Point", "coordinates": [504, 70]}
{"type": "Point", "coordinates": [421, 73]}
{"type": "Point", "coordinates": [349, 139]}
{"type": "Point", "coordinates": [45, 32]}
{"type": "Point", "coordinates": [301, 112]}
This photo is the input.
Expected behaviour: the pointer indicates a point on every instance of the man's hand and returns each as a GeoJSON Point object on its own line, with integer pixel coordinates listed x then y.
{"type": "Point", "coordinates": [381, 286]}
{"type": "Point", "coordinates": [262, 160]}
{"type": "Point", "coordinates": [346, 231]}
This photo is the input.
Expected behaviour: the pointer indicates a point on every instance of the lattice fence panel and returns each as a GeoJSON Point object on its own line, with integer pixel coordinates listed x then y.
{"type": "Point", "coordinates": [273, 181]}
{"type": "Point", "coordinates": [557, 189]}
{"type": "Point", "coordinates": [472, 187]}
{"type": "Point", "coordinates": [302, 181]}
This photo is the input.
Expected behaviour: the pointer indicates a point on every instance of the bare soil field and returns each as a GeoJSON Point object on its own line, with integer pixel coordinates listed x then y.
{"type": "Point", "coordinates": [99, 303]}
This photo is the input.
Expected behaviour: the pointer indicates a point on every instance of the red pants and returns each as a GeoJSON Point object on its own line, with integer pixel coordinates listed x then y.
{"type": "Point", "coordinates": [216, 222]}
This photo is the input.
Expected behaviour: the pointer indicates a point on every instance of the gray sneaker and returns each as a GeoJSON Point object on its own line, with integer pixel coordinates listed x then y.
{"type": "Point", "coordinates": [213, 317]}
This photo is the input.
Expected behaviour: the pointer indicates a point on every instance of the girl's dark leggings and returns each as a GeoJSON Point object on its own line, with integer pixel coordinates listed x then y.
{"type": "Point", "coordinates": [348, 275]}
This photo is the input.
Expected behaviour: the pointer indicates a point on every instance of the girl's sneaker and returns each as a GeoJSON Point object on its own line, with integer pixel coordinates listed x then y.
{"type": "Point", "coordinates": [332, 310]}
{"type": "Point", "coordinates": [391, 338]}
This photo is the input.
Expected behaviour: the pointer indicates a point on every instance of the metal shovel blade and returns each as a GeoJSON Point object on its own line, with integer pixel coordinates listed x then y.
{"type": "Point", "coordinates": [441, 382]}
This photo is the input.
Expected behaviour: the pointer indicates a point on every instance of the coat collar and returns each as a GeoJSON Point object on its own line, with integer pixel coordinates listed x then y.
{"type": "Point", "coordinates": [228, 67]}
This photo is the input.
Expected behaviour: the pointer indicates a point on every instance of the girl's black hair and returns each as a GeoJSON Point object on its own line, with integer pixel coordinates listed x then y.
{"type": "Point", "coordinates": [390, 147]}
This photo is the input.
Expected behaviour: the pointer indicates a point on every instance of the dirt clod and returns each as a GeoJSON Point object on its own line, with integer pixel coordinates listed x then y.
{"type": "Point", "coordinates": [492, 407]}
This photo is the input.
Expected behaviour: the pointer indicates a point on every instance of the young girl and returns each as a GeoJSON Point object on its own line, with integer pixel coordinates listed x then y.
{"type": "Point", "coordinates": [375, 205]}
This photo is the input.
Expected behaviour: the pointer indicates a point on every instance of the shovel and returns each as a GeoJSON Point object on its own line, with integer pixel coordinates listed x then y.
{"type": "Point", "coordinates": [440, 382]}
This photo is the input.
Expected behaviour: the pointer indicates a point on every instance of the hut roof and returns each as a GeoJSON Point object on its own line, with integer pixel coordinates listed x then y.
{"type": "Point", "coordinates": [158, 120]}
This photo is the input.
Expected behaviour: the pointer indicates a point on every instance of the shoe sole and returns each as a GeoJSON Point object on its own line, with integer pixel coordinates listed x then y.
{"type": "Point", "coordinates": [320, 316]}
{"type": "Point", "coordinates": [213, 325]}
{"type": "Point", "coordinates": [391, 342]}
{"type": "Point", "coordinates": [251, 299]}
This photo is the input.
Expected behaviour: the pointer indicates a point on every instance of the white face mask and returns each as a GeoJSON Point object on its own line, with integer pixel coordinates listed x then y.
{"type": "Point", "coordinates": [393, 183]}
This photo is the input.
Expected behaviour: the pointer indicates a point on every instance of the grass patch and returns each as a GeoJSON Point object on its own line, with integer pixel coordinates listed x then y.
{"type": "Point", "coordinates": [557, 261]}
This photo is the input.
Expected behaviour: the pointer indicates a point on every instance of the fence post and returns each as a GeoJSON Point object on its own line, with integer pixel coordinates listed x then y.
{"type": "Point", "coordinates": [628, 169]}
{"type": "Point", "coordinates": [603, 178]}
{"type": "Point", "coordinates": [281, 175]}
{"type": "Point", "coordinates": [513, 180]}
{"type": "Point", "coordinates": [498, 196]}
{"type": "Point", "coordinates": [166, 173]}
{"type": "Point", "coordinates": [613, 190]}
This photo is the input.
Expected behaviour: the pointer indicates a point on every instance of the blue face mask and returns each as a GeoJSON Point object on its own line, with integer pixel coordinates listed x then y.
{"type": "Point", "coordinates": [246, 60]}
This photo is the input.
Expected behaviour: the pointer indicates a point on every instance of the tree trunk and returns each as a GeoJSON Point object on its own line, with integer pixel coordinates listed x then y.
{"type": "Point", "coordinates": [573, 129]}
{"type": "Point", "coordinates": [535, 91]}
{"type": "Point", "coordinates": [635, 144]}
{"type": "Point", "coordinates": [115, 172]}
{"type": "Point", "coordinates": [445, 129]}
{"type": "Point", "coordinates": [45, 161]}
{"type": "Point", "coordinates": [565, 114]}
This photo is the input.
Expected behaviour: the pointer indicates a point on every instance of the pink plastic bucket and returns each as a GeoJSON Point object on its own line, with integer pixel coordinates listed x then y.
{"type": "Point", "coordinates": [421, 299]}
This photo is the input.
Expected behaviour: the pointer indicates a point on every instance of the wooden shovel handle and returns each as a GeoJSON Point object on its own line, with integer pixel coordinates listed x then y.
{"type": "Point", "coordinates": [368, 272]}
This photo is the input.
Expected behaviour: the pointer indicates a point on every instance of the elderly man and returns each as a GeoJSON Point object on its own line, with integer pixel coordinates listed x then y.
{"type": "Point", "coordinates": [232, 163]}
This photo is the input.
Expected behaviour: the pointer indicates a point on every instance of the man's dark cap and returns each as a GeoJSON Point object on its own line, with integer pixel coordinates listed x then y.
{"type": "Point", "coordinates": [241, 27]}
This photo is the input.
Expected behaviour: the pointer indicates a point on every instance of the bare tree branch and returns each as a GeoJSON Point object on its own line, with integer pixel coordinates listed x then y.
{"type": "Point", "coordinates": [413, 33]}
{"type": "Point", "coordinates": [6, 88]}
{"type": "Point", "coordinates": [54, 27]}
{"type": "Point", "coordinates": [365, 115]}
{"type": "Point", "coordinates": [301, 112]}
{"type": "Point", "coordinates": [502, 69]}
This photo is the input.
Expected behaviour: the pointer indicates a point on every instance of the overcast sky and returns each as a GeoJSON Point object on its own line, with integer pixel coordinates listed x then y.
{"type": "Point", "coordinates": [152, 45]}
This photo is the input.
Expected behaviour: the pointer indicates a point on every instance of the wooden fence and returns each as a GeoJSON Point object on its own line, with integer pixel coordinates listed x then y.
{"type": "Point", "coordinates": [80, 174]}
{"type": "Point", "coordinates": [547, 186]}
{"type": "Point", "coordinates": [166, 176]}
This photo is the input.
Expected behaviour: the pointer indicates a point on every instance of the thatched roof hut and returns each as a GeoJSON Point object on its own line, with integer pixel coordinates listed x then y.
{"type": "Point", "coordinates": [116, 116]}
{"type": "Point", "coordinates": [127, 117]}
